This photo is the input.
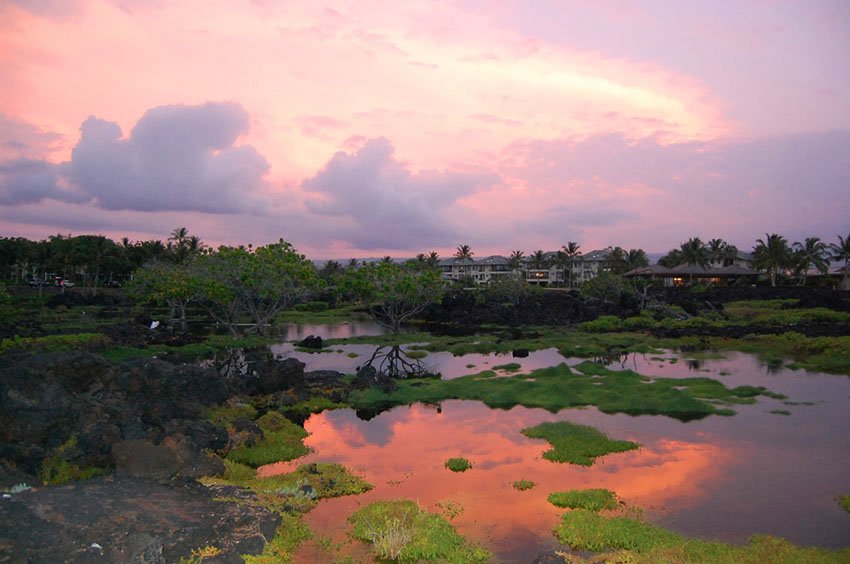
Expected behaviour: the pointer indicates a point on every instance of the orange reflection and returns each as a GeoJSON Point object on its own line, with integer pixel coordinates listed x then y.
{"type": "Point", "coordinates": [402, 453]}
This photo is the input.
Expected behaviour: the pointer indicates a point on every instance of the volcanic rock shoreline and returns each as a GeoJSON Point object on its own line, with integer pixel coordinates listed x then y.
{"type": "Point", "coordinates": [142, 422]}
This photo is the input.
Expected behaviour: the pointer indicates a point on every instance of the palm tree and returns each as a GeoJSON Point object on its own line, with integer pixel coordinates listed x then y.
{"type": "Point", "coordinates": [636, 258]}
{"type": "Point", "coordinates": [571, 252]}
{"type": "Point", "coordinates": [729, 254]}
{"type": "Point", "coordinates": [464, 252]}
{"type": "Point", "coordinates": [716, 250]}
{"type": "Point", "coordinates": [811, 253]}
{"type": "Point", "coordinates": [694, 252]}
{"type": "Point", "coordinates": [538, 260]}
{"type": "Point", "coordinates": [433, 258]}
{"type": "Point", "coordinates": [616, 260]}
{"type": "Point", "coordinates": [772, 255]}
{"type": "Point", "coordinates": [672, 258]}
{"type": "Point", "coordinates": [515, 260]}
{"type": "Point", "coordinates": [841, 251]}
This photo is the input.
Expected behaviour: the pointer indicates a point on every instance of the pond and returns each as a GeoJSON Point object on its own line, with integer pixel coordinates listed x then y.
{"type": "Point", "coordinates": [723, 478]}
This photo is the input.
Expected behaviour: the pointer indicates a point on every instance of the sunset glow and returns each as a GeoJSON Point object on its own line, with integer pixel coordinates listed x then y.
{"type": "Point", "coordinates": [495, 124]}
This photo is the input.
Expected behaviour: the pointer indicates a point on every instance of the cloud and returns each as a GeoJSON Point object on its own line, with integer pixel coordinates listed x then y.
{"type": "Point", "coordinates": [646, 192]}
{"type": "Point", "coordinates": [383, 204]}
{"type": "Point", "coordinates": [176, 158]}
{"type": "Point", "coordinates": [19, 139]}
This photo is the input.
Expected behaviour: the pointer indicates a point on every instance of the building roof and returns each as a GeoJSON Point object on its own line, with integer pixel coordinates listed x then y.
{"type": "Point", "coordinates": [691, 270]}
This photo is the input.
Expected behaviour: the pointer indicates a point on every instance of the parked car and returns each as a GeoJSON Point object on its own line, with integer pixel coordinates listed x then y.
{"type": "Point", "coordinates": [113, 284]}
{"type": "Point", "coordinates": [35, 282]}
{"type": "Point", "coordinates": [68, 284]}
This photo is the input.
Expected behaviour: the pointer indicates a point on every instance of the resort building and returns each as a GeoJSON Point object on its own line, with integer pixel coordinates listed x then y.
{"type": "Point", "coordinates": [552, 272]}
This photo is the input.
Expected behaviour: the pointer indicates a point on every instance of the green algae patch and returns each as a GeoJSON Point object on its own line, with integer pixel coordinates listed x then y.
{"type": "Point", "coordinates": [282, 440]}
{"type": "Point", "coordinates": [523, 485]}
{"type": "Point", "coordinates": [459, 464]}
{"type": "Point", "coordinates": [636, 541]}
{"type": "Point", "coordinates": [288, 536]}
{"type": "Point", "coordinates": [576, 444]}
{"type": "Point", "coordinates": [401, 530]}
{"type": "Point", "coordinates": [591, 499]}
{"type": "Point", "coordinates": [558, 387]}
{"type": "Point", "coordinates": [510, 367]}
{"type": "Point", "coordinates": [844, 502]}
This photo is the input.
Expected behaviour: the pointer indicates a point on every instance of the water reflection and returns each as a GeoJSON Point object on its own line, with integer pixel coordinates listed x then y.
{"type": "Point", "coordinates": [298, 331]}
{"type": "Point", "coordinates": [402, 452]}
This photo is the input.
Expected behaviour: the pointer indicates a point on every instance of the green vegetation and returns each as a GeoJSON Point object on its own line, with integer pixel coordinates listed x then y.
{"type": "Point", "coordinates": [576, 444]}
{"type": "Point", "coordinates": [55, 470]}
{"type": "Point", "coordinates": [522, 485]}
{"type": "Point", "coordinates": [290, 495]}
{"type": "Point", "coordinates": [282, 440]}
{"type": "Point", "coordinates": [401, 530]}
{"type": "Point", "coordinates": [459, 464]}
{"type": "Point", "coordinates": [510, 367]}
{"type": "Point", "coordinates": [560, 387]}
{"type": "Point", "coordinates": [844, 502]}
{"type": "Point", "coordinates": [637, 541]}
{"type": "Point", "coordinates": [415, 354]}
{"type": "Point", "coordinates": [51, 343]}
{"type": "Point", "coordinates": [592, 500]}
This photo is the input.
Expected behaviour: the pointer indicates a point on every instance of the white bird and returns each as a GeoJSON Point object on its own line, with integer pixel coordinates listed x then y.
{"type": "Point", "coordinates": [154, 324]}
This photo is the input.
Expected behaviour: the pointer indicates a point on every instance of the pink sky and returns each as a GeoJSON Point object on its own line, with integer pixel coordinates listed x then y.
{"type": "Point", "coordinates": [368, 128]}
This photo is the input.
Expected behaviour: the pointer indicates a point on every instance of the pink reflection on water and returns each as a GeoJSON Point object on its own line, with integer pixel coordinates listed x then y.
{"type": "Point", "coordinates": [402, 453]}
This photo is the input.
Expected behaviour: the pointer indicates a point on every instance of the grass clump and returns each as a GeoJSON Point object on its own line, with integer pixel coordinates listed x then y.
{"type": "Point", "coordinates": [400, 530]}
{"type": "Point", "coordinates": [459, 464]}
{"type": "Point", "coordinates": [282, 440]}
{"type": "Point", "coordinates": [559, 387]}
{"type": "Point", "coordinates": [576, 444]}
{"type": "Point", "coordinates": [522, 485]}
{"type": "Point", "coordinates": [844, 502]}
{"type": "Point", "coordinates": [637, 541]}
{"type": "Point", "coordinates": [510, 367]}
{"type": "Point", "coordinates": [592, 499]}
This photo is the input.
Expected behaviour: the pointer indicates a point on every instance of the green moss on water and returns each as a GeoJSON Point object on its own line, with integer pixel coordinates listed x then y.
{"type": "Point", "coordinates": [559, 387]}
{"type": "Point", "coordinates": [592, 499]}
{"type": "Point", "coordinates": [523, 485]}
{"type": "Point", "coordinates": [401, 530]}
{"type": "Point", "coordinates": [283, 440]}
{"type": "Point", "coordinates": [52, 343]}
{"type": "Point", "coordinates": [780, 412]}
{"type": "Point", "coordinates": [459, 464]}
{"type": "Point", "coordinates": [316, 404]}
{"type": "Point", "coordinates": [576, 444]}
{"type": "Point", "coordinates": [415, 354]}
{"type": "Point", "coordinates": [844, 502]}
{"type": "Point", "coordinates": [636, 541]}
{"type": "Point", "coordinates": [510, 367]}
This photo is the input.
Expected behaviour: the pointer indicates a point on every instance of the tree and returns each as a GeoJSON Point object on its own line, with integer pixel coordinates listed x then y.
{"type": "Point", "coordinates": [616, 260]}
{"type": "Point", "coordinates": [841, 252]}
{"type": "Point", "coordinates": [772, 255]}
{"type": "Point", "coordinates": [570, 252]}
{"type": "Point", "coordinates": [672, 258]}
{"type": "Point", "coordinates": [538, 260]}
{"type": "Point", "coordinates": [811, 253]}
{"type": "Point", "coordinates": [168, 283]}
{"type": "Point", "coordinates": [695, 253]}
{"type": "Point", "coordinates": [464, 252]}
{"type": "Point", "coordinates": [260, 282]}
{"type": "Point", "coordinates": [636, 258]}
{"type": "Point", "coordinates": [716, 248]}
{"type": "Point", "coordinates": [515, 260]}
{"type": "Point", "coordinates": [331, 272]}
{"type": "Point", "coordinates": [433, 258]}
{"type": "Point", "coordinates": [394, 293]}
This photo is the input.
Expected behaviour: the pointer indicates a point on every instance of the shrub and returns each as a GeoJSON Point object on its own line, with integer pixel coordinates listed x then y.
{"type": "Point", "coordinates": [458, 464]}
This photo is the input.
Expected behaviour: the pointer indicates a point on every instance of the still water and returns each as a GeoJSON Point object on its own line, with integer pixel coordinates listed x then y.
{"type": "Point", "coordinates": [724, 478]}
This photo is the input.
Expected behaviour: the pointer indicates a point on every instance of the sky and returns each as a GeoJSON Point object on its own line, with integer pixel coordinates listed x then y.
{"type": "Point", "coordinates": [372, 127]}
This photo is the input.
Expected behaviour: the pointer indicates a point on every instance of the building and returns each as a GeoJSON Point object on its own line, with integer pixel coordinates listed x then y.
{"type": "Point", "coordinates": [554, 272]}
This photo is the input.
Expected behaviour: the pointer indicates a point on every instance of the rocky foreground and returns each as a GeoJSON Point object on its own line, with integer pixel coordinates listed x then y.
{"type": "Point", "coordinates": [141, 425]}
